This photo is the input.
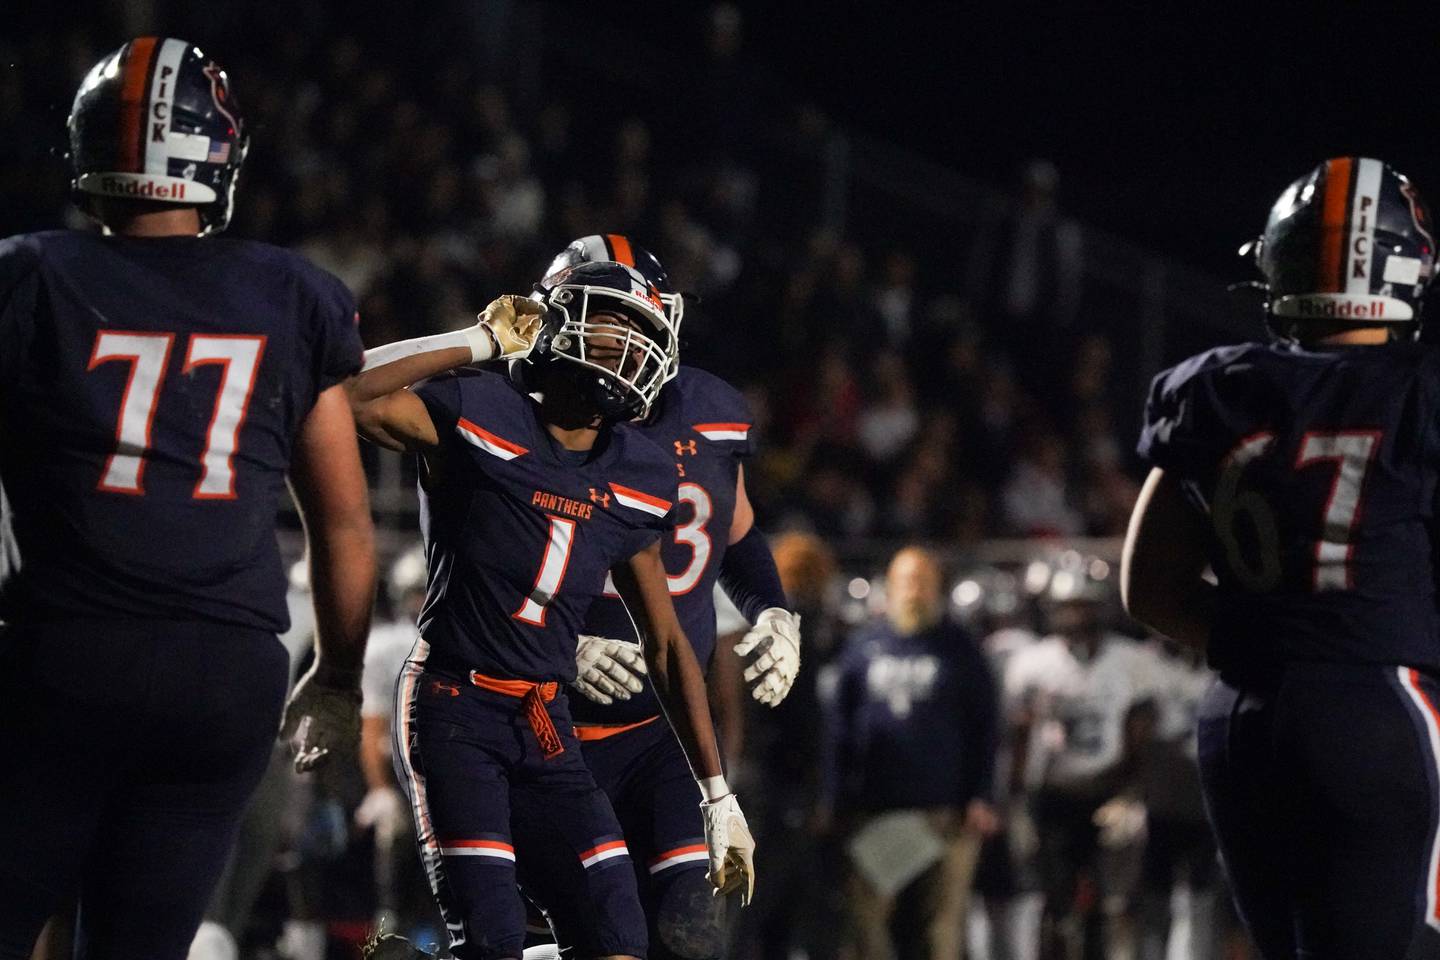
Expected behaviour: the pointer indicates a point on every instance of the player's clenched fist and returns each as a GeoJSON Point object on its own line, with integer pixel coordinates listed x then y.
{"type": "Point", "coordinates": [513, 325]}
{"type": "Point", "coordinates": [731, 848]}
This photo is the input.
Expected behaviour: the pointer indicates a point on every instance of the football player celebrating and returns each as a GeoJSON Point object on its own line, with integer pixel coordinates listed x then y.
{"type": "Point", "coordinates": [704, 424]}
{"type": "Point", "coordinates": [1304, 472]}
{"type": "Point", "coordinates": [530, 495]}
{"type": "Point", "coordinates": [159, 384]}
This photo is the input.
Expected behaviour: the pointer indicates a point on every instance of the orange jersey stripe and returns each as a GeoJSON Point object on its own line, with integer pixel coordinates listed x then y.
{"type": "Point", "coordinates": [133, 94]}
{"type": "Point", "coordinates": [1334, 208]}
{"type": "Point", "coordinates": [663, 505]}
{"type": "Point", "coordinates": [621, 247]}
{"type": "Point", "coordinates": [721, 426]}
{"type": "Point", "coordinates": [482, 433]}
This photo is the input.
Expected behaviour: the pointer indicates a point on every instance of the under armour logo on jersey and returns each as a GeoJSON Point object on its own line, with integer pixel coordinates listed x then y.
{"type": "Point", "coordinates": [601, 498]}
{"type": "Point", "coordinates": [684, 447]}
{"type": "Point", "coordinates": [437, 688]}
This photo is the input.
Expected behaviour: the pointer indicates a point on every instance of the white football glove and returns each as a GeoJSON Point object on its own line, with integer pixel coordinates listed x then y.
{"type": "Point", "coordinates": [775, 643]}
{"type": "Point", "coordinates": [322, 717]}
{"type": "Point", "coordinates": [731, 848]}
{"type": "Point", "coordinates": [386, 811]}
{"type": "Point", "coordinates": [609, 670]}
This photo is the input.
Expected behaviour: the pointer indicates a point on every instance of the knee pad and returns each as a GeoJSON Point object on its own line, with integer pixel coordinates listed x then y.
{"type": "Point", "coordinates": [689, 919]}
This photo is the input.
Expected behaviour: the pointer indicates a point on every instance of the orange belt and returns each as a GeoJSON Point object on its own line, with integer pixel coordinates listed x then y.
{"type": "Point", "coordinates": [599, 731]}
{"type": "Point", "coordinates": [533, 697]}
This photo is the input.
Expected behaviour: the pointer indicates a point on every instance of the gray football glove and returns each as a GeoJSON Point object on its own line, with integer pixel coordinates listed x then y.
{"type": "Point", "coordinates": [322, 717]}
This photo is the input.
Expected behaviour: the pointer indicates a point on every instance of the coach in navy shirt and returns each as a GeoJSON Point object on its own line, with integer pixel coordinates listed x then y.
{"type": "Point", "coordinates": [911, 722]}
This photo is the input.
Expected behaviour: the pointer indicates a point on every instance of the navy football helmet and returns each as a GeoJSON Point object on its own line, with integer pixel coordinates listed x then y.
{"type": "Point", "coordinates": [1350, 241]}
{"type": "Point", "coordinates": [155, 120]}
{"type": "Point", "coordinates": [620, 366]}
{"type": "Point", "coordinates": [617, 248]}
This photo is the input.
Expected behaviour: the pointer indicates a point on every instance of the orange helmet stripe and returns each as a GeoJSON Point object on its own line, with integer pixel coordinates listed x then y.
{"type": "Point", "coordinates": [620, 246]}
{"type": "Point", "coordinates": [1334, 209]}
{"type": "Point", "coordinates": [134, 91]}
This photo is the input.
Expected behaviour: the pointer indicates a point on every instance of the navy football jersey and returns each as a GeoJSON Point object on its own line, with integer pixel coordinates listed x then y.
{"type": "Point", "coordinates": [152, 389]}
{"type": "Point", "coordinates": [520, 533]}
{"type": "Point", "coordinates": [1317, 470]}
{"type": "Point", "coordinates": [704, 424]}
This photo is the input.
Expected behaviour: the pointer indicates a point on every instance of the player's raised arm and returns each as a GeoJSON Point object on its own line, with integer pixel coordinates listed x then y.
{"type": "Point", "coordinates": [388, 414]}
{"type": "Point", "coordinates": [680, 686]}
{"type": "Point", "coordinates": [1163, 562]}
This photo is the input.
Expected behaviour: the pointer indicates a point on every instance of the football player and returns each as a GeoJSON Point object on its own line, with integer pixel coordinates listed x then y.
{"type": "Point", "coordinates": [530, 494]}
{"type": "Point", "coordinates": [159, 384]}
{"type": "Point", "coordinates": [704, 425]}
{"type": "Point", "coordinates": [1303, 472]}
{"type": "Point", "coordinates": [1071, 697]}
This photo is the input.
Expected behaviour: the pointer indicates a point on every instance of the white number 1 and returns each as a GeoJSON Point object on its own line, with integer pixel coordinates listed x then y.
{"type": "Point", "coordinates": [552, 572]}
{"type": "Point", "coordinates": [149, 355]}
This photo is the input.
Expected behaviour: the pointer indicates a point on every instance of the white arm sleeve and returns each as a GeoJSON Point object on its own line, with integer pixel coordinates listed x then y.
{"type": "Point", "coordinates": [476, 339]}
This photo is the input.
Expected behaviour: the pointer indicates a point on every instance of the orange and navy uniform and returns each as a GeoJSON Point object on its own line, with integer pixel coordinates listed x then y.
{"type": "Point", "coordinates": [520, 534]}
{"type": "Point", "coordinates": [1316, 474]}
{"type": "Point", "coordinates": [151, 390]}
{"type": "Point", "coordinates": [704, 426]}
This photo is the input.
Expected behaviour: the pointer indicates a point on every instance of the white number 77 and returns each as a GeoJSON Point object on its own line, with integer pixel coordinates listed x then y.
{"type": "Point", "coordinates": [149, 355]}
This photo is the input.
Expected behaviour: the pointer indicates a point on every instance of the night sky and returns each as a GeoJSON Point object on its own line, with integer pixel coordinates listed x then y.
{"type": "Point", "coordinates": [1176, 130]}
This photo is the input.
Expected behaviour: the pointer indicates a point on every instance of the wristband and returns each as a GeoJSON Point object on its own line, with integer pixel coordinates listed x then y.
{"type": "Point", "coordinates": [713, 788]}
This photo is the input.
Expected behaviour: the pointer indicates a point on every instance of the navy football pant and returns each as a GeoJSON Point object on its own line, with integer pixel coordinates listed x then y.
{"type": "Point", "coordinates": [644, 773]}
{"type": "Point", "coordinates": [491, 810]}
{"type": "Point", "coordinates": [1323, 796]}
{"type": "Point", "coordinates": [129, 750]}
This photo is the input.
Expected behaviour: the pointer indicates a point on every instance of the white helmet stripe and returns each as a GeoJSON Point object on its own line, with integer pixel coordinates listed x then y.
{"type": "Point", "coordinates": [1360, 244]}
{"type": "Point", "coordinates": [156, 135]}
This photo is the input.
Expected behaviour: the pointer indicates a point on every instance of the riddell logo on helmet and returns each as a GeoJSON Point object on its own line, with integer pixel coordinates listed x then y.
{"type": "Point", "coordinates": [1339, 309]}
{"type": "Point", "coordinates": [117, 187]}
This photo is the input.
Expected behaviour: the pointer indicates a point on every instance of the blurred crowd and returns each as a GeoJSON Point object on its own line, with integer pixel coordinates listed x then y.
{"type": "Point", "coordinates": [906, 387]}
{"type": "Point", "coordinates": [911, 381]}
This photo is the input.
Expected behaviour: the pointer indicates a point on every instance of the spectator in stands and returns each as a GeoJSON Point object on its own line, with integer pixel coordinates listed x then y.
{"type": "Point", "coordinates": [1027, 269]}
{"type": "Point", "coordinates": [1036, 498]}
{"type": "Point", "coordinates": [890, 421]}
{"type": "Point", "coordinates": [910, 745]}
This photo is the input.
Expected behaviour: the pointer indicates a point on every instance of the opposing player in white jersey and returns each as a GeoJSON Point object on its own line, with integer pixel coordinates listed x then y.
{"type": "Point", "coordinates": [1078, 687]}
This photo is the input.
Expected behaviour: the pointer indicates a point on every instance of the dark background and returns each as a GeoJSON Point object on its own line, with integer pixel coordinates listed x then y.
{"type": "Point", "coordinates": [1172, 126]}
